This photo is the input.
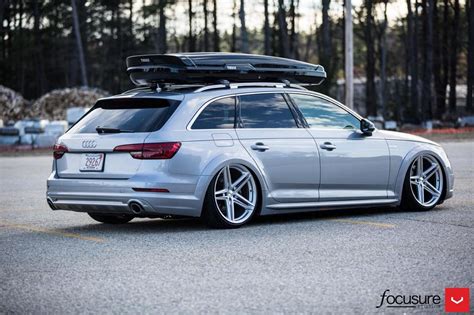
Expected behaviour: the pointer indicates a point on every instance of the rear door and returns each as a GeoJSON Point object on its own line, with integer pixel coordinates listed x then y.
{"type": "Point", "coordinates": [353, 166]}
{"type": "Point", "coordinates": [286, 154]}
{"type": "Point", "coordinates": [111, 123]}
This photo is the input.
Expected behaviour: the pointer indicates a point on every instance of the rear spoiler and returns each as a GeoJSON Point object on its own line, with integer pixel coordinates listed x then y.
{"type": "Point", "coordinates": [208, 68]}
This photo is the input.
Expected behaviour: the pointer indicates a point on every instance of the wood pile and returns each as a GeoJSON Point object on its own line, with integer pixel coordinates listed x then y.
{"type": "Point", "coordinates": [12, 105]}
{"type": "Point", "coordinates": [53, 105]}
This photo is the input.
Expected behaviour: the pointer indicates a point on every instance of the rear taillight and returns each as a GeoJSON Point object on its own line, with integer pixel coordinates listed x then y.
{"type": "Point", "coordinates": [150, 151]}
{"type": "Point", "coordinates": [59, 150]}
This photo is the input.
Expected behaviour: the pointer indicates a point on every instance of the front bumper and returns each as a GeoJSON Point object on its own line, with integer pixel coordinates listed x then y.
{"type": "Point", "coordinates": [115, 196]}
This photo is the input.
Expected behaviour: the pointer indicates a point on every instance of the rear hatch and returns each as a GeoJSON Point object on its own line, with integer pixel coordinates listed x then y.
{"type": "Point", "coordinates": [89, 145]}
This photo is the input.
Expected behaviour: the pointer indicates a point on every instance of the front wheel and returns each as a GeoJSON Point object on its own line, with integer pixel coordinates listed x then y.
{"type": "Point", "coordinates": [231, 199]}
{"type": "Point", "coordinates": [423, 186]}
{"type": "Point", "coordinates": [111, 218]}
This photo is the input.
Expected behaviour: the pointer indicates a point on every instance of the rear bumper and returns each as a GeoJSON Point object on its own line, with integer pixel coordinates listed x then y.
{"type": "Point", "coordinates": [115, 196]}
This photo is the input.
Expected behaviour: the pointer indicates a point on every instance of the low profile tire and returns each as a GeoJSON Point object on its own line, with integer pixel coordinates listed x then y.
{"type": "Point", "coordinates": [111, 218]}
{"type": "Point", "coordinates": [424, 184]}
{"type": "Point", "coordinates": [231, 198]}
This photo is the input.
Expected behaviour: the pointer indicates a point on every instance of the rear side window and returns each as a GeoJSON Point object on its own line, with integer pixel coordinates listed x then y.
{"type": "Point", "coordinates": [128, 115]}
{"type": "Point", "coordinates": [219, 114]}
{"type": "Point", "coordinates": [266, 111]}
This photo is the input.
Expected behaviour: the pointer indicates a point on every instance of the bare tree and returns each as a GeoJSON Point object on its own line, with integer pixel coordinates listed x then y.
{"type": "Point", "coordinates": [293, 35]}
{"type": "Point", "coordinates": [243, 29]}
{"type": "Point", "coordinates": [266, 29]}
{"type": "Point", "coordinates": [427, 100]}
{"type": "Point", "coordinates": [470, 54]}
{"type": "Point", "coordinates": [191, 39]}
{"type": "Point", "coordinates": [206, 28]}
{"type": "Point", "coordinates": [80, 49]}
{"type": "Point", "coordinates": [233, 44]}
{"type": "Point", "coordinates": [437, 59]}
{"type": "Point", "coordinates": [324, 40]}
{"type": "Point", "coordinates": [283, 30]}
{"type": "Point", "coordinates": [371, 98]}
{"type": "Point", "coordinates": [454, 57]}
{"type": "Point", "coordinates": [214, 25]}
{"type": "Point", "coordinates": [161, 40]}
{"type": "Point", "coordinates": [383, 58]}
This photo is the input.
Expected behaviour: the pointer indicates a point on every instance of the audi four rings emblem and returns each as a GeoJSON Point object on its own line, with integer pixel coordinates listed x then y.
{"type": "Point", "coordinates": [89, 144]}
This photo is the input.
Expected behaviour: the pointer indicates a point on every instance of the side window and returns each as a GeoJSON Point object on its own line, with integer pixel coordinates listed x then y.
{"type": "Point", "coordinates": [320, 113]}
{"type": "Point", "coordinates": [219, 114]}
{"type": "Point", "coordinates": [266, 111]}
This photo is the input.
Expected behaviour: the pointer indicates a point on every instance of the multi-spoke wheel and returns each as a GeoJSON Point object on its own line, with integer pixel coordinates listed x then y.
{"type": "Point", "coordinates": [423, 184]}
{"type": "Point", "coordinates": [231, 199]}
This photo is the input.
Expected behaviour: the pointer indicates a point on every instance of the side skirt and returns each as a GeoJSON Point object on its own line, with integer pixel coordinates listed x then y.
{"type": "Point", "coordinates": [326, 205]}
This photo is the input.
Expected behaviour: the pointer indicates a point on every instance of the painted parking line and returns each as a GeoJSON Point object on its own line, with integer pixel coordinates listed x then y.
{"type": "Point", "coordinates": [32, 228]}
{"type": "Point", "coordinates": [377, 224]}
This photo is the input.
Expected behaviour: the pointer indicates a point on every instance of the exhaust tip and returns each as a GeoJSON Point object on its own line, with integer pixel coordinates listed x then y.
{"type": "Point", "coordinates": [51, 204]}
{"type": "Point", "coordinates": [136, 207]}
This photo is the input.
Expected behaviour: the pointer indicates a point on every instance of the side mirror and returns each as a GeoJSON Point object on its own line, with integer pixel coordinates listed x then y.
{"type": "Point", "coordinates": [367, 127]}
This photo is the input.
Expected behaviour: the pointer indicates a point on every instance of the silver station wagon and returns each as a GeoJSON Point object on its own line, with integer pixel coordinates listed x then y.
{"type": "Point", "coordinates": [212, 136]}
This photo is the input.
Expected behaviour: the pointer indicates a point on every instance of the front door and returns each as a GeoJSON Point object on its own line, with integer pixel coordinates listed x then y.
{"type": "Point", "coordinates": [353, 166]}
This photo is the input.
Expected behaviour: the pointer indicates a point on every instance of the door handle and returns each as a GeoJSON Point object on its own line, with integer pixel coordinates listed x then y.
{"type": "Point", "coordinates": [259, 146]}
{"type": "Point", "coordinates": [327, 146]}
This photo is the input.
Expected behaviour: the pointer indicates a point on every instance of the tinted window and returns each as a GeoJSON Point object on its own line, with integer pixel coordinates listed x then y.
{"type": "Point", "coordinates": [320, 113]}
{"type": "Point", "coordinates": [265, 111]}
{"type": "Point", "coordinates": [217, 115]}
{"type": "Point", "coordinates": [131, 115]}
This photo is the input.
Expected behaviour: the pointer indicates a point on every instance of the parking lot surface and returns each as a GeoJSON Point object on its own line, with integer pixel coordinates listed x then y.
{"type": "Point", "coordinates": [321, 262]}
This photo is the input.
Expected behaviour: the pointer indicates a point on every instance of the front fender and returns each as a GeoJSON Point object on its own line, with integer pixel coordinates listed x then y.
{"type": "Point", "coordinates": [418, 150]}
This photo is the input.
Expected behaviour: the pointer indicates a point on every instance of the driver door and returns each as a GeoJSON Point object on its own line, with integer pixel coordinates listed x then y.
{"type": "Point", "coordinates": [354, 166]}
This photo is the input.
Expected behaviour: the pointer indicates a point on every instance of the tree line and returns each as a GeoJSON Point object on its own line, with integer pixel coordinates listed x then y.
{"type": "Point", "coordinates": [409, 65]}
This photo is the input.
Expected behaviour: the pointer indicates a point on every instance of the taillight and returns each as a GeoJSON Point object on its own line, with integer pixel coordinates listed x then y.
{"type": "Point", "coordinates": [150, 151]}
{"type": "Point", "coordinates": [59, 150]}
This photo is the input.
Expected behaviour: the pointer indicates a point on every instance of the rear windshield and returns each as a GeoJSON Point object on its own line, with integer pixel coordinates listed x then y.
{"type": "Point", "coordinates": [129, 115]}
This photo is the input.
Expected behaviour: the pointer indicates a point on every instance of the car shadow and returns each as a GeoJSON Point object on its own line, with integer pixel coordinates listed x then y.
{"type": "Point", "coordinates": [183, 225]}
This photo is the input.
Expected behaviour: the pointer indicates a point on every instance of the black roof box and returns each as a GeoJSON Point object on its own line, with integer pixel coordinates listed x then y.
{"type": "Point", "coordinates": [206, 68]}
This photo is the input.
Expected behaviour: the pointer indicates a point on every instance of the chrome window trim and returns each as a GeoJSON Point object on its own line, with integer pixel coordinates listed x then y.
{"type": "Point", "coordinates": [283, 91]}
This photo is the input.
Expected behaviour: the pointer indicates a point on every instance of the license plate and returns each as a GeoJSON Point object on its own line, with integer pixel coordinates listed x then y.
{"type": "Point", "coordinates": [92, 162]}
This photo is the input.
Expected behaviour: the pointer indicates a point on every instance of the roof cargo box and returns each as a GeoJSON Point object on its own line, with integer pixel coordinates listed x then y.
{"type": "Point", "coordinates": [206, 68]}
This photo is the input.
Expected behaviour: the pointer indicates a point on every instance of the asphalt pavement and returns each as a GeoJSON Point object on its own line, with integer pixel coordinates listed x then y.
{"type": "Point", "coordinates": [323, 262]}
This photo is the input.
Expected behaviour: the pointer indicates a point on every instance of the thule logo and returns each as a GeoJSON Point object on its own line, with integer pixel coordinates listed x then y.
{"type": "Point", "coordinates": [145, 59]}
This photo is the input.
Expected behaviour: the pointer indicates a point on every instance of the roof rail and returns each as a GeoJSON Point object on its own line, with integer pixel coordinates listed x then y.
{"type": "Point", "coordinates": [248, 84]}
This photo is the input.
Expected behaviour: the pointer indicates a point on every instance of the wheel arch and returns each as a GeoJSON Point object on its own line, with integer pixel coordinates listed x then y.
{"type": "Point", "coordinates": [410, 158]}
{"type": "Point", "coordinates": [215, 165]}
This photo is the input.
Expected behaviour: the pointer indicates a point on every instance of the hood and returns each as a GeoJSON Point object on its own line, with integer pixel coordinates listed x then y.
{"type": "Point", "coordinates": [394, 135]}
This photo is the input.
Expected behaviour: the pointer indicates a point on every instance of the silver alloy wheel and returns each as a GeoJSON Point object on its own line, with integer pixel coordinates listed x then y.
{"type": "Point", "coordinates": [426, 180]}
{"type": "Point", "coordinates": [235, 193]}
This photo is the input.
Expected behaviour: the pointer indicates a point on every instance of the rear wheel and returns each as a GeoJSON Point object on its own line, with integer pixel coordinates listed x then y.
{"type": "Point", "coordinates": [423, 185]}
{"type": "Point", "coordinates": [231, 199]}
{"type": "Point", "coordinates": [111, 218]}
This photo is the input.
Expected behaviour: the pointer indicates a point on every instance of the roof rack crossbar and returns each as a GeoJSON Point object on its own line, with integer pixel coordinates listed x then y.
{"type": "Point", "coordinates": [248, 84]}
